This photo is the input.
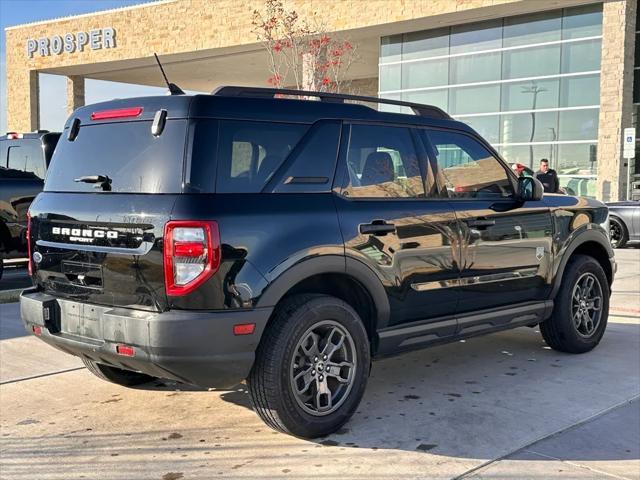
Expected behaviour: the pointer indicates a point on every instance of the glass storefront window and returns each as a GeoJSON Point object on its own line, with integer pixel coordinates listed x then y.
{"type": "Point", "coordinates": [391, 48]}
{"type": "Point", "coordinates": [438, 98]}
{"type": "Point", "coordinates": [535, 62]}
{"type": "Point", "coordinates": [531, 62]}
{"type": "Point", "coordinates": [536, 28]}
{"type": "Point", "coordinates": [578, 124]}
{"type": "Point", "coordinates": [579, 91]}
{"type": "Point", "coordinates": [476, 37]}
{"type": "Point", "coordinates": [427, 44]}
{"type": "Point", "coordinates": [477, 99]}
{"type": "Point", "coordinates": [475, 68]}
{"type": "Point", "coordinates": [430, 73]}
{"type": "Point", "coordinates": [488, 126]}
{"type": "Point", "coordinates": [529, 155]}
{"type": "Point", "coordinates": [582, 22]}
{"type": "Point", "coordinates": [583, 56]}
{"type": "Point", "coordinates": [519, 95]}
{"type": "Point", "coordinates": [390, 77]}
{"type": "Point", "coordinates": [529, 127]}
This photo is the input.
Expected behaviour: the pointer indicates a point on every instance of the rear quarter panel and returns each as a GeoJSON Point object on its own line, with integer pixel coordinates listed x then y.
{"type": "Point", "coordinates": [262, 236]}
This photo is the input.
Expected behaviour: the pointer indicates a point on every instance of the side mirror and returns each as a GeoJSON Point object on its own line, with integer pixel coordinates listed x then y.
{"type": "Point", "coordinates": [529, 189]}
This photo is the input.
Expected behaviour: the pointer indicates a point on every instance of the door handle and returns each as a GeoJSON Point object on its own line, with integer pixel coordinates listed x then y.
{"type": "Point", "coordinates": [481, 223]}
{"type": "Point", "coordinates": [377, 227]}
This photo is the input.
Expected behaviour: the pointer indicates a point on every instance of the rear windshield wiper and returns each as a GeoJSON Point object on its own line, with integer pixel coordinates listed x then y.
{"type": "Point", "coordinates": [101, 181]}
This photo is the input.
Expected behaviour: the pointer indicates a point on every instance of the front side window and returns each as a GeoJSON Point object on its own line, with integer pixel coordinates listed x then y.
{"type": "Point", "coordinates": [466, 169]}
{"type": "Point", "coordinates": [382, 162]}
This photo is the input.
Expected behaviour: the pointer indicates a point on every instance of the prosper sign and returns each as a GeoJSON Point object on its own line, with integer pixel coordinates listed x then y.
{"type": "Point", "coordinates": [96, 39]}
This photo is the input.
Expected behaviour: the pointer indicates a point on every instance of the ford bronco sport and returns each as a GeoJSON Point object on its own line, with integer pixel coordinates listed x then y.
{"type": "Point", "coordinates": [251, 234]}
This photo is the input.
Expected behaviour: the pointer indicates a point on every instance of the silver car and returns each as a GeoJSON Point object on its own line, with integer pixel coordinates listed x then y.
{"type": "Point", "coordinates": [624, 222]}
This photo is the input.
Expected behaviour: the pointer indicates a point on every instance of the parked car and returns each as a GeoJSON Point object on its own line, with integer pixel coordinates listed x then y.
{"type": "Point", "coordinates": [24, 158]}
{"type": "Point", "coordinates": [240, 235]}
{"type": "Point", "coordinates": [624, 222]}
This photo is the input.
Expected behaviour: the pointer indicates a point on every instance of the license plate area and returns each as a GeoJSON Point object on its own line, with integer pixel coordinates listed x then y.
{"type": "Point", "coordinates": [86, 275]}
{"type": "Point", "coordinates": [80, 320]}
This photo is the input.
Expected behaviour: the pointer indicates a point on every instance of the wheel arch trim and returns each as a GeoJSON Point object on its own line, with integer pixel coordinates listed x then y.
{"type": "Point", "coordinates": [582, 238]}
{"type": "Point", "coordinates": [330, 264]}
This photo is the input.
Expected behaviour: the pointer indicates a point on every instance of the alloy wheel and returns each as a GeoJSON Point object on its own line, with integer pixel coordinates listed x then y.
{"type": "Point", "coordinates": [615, 233]}
{"type": "Point", "coordinates": [323, 368]}
{"type": "Point", "coordinates": [586, 304]}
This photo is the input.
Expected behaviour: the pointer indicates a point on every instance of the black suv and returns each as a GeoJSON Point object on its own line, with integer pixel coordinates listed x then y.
{"type": "Point", "coordinates": [24, 158]}
{"type": "Point", "coordinates": [288, 242]}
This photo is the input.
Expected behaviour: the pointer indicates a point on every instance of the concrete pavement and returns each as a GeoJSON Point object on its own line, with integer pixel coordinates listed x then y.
{"type": "Point", "coordinates": [502, 406]}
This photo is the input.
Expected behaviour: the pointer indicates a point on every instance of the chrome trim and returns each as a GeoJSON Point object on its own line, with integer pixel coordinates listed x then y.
{"type": "Point", "coordinates": [425, 286]}
{"type": "Point", "coordinates": [475, 280]}
{"type": "Point", "coordinates": [143, 249]}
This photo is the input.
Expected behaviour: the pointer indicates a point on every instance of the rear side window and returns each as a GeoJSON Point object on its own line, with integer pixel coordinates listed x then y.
{"type": "Point", "coordinates": [27, 156]}
{"type": "Point", "coordinates": [250, 152]}
{"type": "Point", "coordinates": [126, 152]}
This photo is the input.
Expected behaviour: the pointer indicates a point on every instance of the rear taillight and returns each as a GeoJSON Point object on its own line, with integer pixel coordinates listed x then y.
{"type": "Point", "coordinates": [116, 113]}
{"type": "Point", "coordinates": [191, 254]}
{"type": "Point", "coordinates": [29, 244]}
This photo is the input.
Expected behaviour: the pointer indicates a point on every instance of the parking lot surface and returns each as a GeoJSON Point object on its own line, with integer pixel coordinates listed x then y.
{"type": "Point", "coordinates": [501, 406]}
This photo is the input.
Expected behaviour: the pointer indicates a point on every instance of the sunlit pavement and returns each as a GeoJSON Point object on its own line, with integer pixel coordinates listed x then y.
{"type": "Point", "coordinates": [503, 406]}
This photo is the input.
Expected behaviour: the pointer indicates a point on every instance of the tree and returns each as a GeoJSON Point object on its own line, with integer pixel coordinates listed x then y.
{"type": "Point", "coordinates": [301, 53]}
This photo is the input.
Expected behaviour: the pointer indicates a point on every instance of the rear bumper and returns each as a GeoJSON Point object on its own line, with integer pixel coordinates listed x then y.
{"type": "Point", "coordinates": [199, 348]}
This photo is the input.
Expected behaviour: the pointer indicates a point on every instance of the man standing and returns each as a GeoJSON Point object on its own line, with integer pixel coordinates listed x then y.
{"type": "Point", "coordinates": [548, 177]}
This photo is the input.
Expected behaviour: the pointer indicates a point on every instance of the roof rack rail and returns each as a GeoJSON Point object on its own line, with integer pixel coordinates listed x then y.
{"type": "Point", "coordinates": [418, 109]}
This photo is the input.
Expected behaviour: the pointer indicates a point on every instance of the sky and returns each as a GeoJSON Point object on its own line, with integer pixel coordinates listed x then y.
{"type": "Point", "coordinates": [53, 87]}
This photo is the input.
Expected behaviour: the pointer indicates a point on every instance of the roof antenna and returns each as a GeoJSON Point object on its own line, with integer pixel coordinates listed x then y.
{"type": "Point", "coordinates": [173, 88]}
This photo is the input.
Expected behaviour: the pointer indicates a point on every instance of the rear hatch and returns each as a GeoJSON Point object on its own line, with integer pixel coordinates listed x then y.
{"type": "Point", "coordinates": [97, 228]}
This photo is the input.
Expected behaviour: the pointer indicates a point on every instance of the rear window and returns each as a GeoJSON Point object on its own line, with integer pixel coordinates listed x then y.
{"type": "Point", "coordinates": [126, 152]}
{"type": "Point", "coordinates": [26, 156]}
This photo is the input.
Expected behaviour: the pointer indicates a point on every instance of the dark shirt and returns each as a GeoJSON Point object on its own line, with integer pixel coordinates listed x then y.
{"type": "Point", "coordinates": [549, 180]}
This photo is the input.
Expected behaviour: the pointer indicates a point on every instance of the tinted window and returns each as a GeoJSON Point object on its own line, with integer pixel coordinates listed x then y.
{"type": "Point", "coordinates": [466, 169]}
{"type": "Point", "coordinates": [27, 156]}
{"type": "Point", "coordinates": [311, 165]}
{"type": "Point", "coordinates": [126, 152]}
{"type": "Point", "coordinates": [382, 162]}
{"type": "Point", "coordinates": [250, 152]}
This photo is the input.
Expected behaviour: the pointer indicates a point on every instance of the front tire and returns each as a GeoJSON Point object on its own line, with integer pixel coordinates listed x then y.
{"type": "Point", "coordinates": [126, 378]}
{"type": "Point", "coordinates": [581, 308]}
{"type": "Point", "coordinates": [311, 367]}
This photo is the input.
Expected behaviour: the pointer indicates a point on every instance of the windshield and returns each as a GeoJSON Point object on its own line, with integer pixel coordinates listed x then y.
{"type": "Point", "coordinates": [134, 160]}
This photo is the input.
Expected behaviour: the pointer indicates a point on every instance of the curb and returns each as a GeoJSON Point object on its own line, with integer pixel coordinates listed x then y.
{"type": "Point", "coordinates": [9, 296]}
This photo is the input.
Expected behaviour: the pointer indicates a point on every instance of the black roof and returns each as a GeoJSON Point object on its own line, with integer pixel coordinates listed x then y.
{"type": "Point", "coordinates": [260, 104]}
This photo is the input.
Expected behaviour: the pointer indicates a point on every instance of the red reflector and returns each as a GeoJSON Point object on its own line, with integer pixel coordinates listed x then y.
{"type": "Point", "coordinates": [117, 113]}
{"type": "Point", "coordinates": [37, 330]}
{"type": "Point", "coordinates": [244, 328]}
{"type": "Point", "coordinates": [188, 249]}
{"type": "Point", "coordinates": [125, 350]}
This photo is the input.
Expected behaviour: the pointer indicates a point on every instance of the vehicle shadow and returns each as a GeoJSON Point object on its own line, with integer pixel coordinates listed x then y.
{"type": "Point", "coordinates": [490, 395]}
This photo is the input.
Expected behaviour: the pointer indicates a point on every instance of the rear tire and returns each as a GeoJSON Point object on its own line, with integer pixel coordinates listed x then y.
{"type": "Point", "coordinates": [581, 308]}
{"type": "Point", "coordinates": [618, 234]}
{"type": "Point", "coordinates": [126, 378]}
{"type": "Point", "coordinates": [300, 384]}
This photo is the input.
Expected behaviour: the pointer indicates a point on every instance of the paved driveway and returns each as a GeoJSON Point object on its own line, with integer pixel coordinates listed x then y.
{"type": "Point", "coordinates": [503, 406]}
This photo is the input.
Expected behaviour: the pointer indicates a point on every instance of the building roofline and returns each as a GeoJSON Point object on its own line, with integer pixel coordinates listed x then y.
{"type": "Point", "coordinates": [143, 3]}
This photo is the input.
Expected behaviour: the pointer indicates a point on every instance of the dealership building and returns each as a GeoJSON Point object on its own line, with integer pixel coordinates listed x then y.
{"type": "Point", "coordinates": [537, 78]}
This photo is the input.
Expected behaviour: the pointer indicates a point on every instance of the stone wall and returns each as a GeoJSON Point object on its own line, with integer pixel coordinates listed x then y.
{"type": "Point", "coordinates": [616, 96]}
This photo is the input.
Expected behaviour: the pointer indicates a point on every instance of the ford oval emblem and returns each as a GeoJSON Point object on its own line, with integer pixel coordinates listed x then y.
{"type": "Point", "coordinates": [37, 257]}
